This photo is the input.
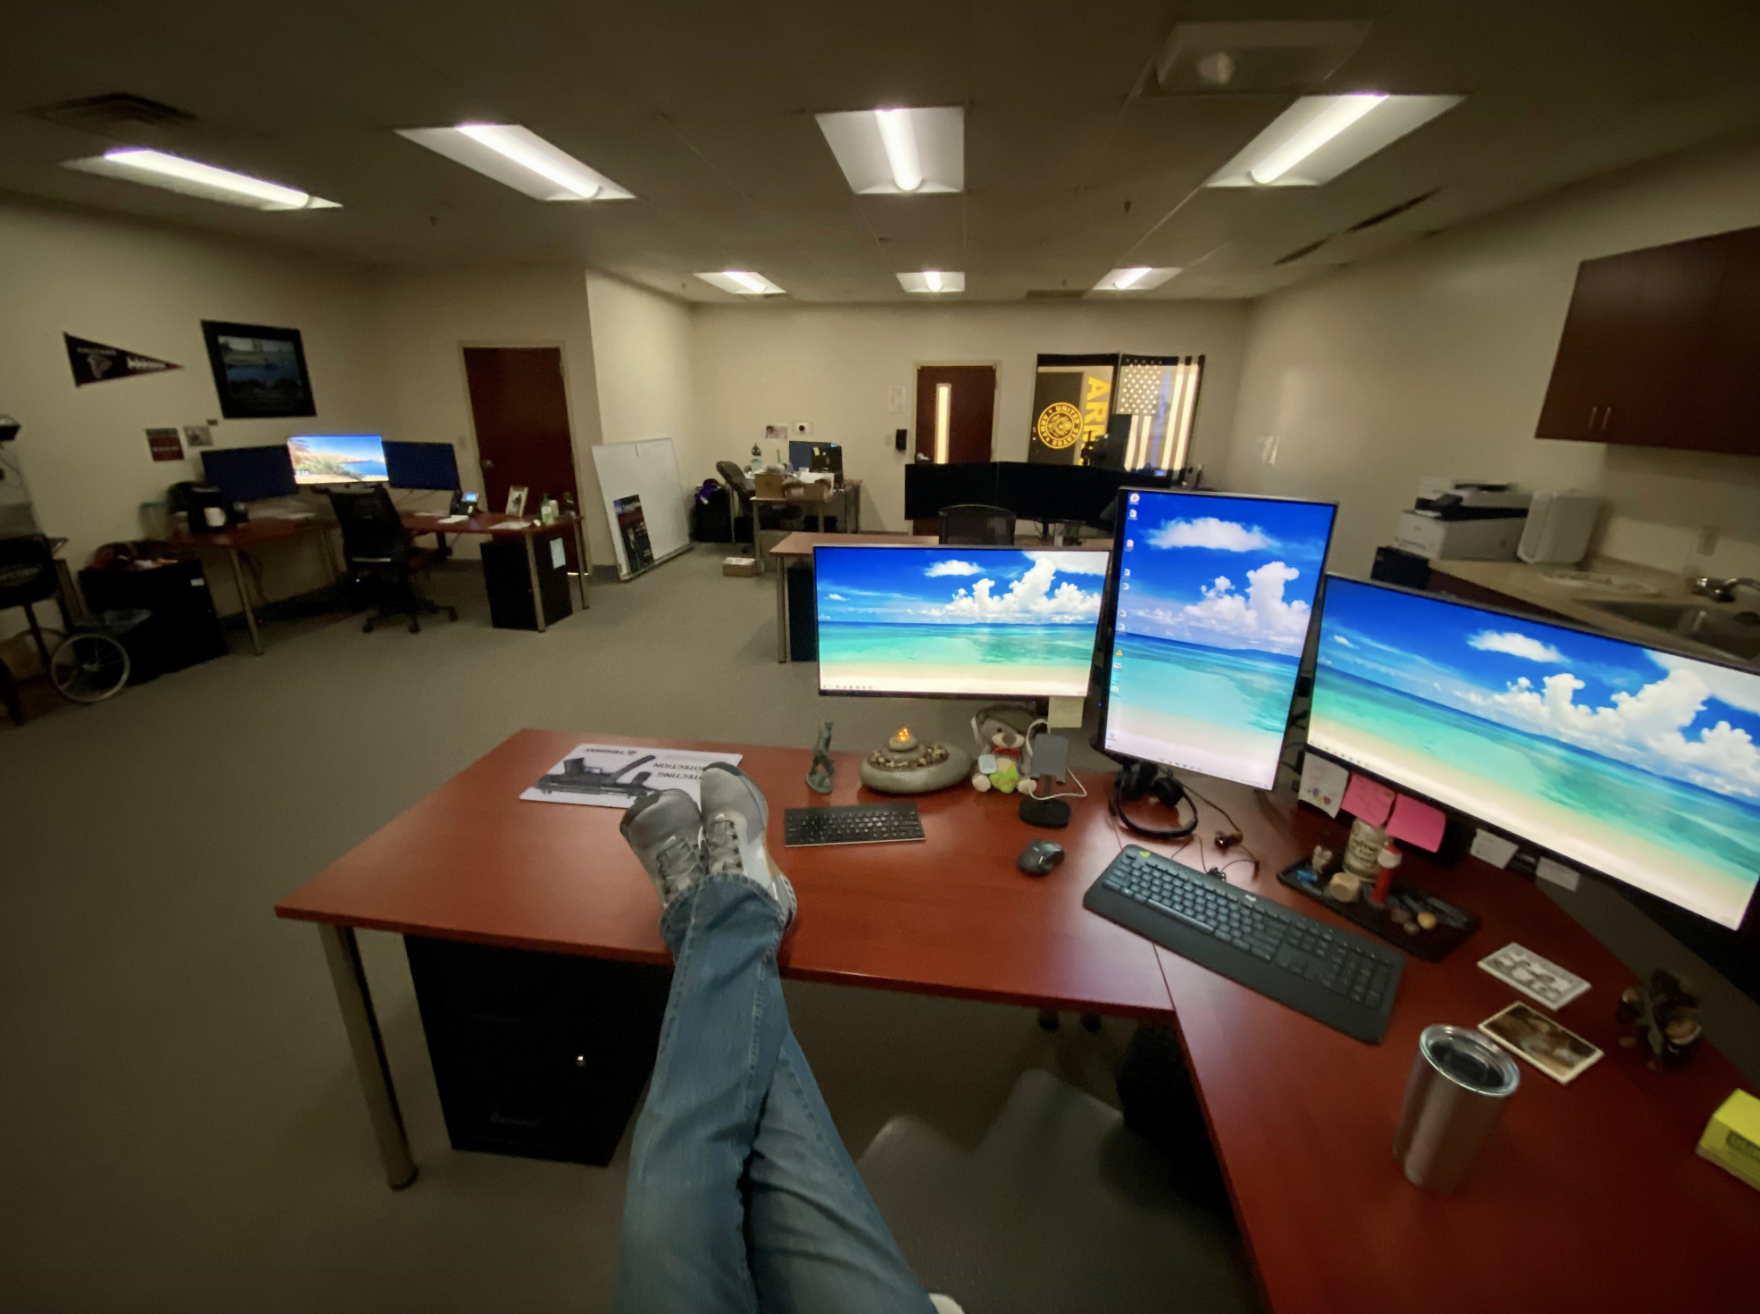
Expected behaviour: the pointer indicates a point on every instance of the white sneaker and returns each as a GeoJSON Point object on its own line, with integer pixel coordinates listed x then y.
{"type": "Point", "coordinates": [735, 817]}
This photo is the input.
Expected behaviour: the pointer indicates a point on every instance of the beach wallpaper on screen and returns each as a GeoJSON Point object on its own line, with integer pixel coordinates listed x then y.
{"type": "Point", "coordinates": [990, 622]}
{"type": "Point", "coordinates": [1637, 763]}
{"type": "Point", "coordinates": [1215, 596]}
{"type": "Point", "coordinates": [337, 458]}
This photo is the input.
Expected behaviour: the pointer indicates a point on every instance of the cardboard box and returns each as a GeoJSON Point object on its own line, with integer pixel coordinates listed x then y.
{"type": "Point", "coordinates": [769, 483]}
{"type": "Point", "coordinates": [746, 567]}
{"type": "Point", "coordinates": [812, 493]}
{"type": "Point", "coordinates": [1732, 1137]}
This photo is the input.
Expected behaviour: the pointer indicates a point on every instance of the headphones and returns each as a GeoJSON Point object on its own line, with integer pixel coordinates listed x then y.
{"type": "Point", "coordinates": [1136, 779]}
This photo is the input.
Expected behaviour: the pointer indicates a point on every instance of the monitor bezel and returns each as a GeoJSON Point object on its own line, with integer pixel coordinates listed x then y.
{"type": "Point", "coordinates": [1456, 812]}
{"type": "Point", "coordinates": [1113, 578]}
{"type": "Point", "coordinates": [959, 547]}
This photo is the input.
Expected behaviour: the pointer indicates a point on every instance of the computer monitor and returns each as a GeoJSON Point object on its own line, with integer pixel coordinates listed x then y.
{"type": "Point", "coordinates": [800, 454]}
{"type": "Point", "coordinates": [827, 458]}
{"type": "Point", "coordinates": [422, 465]}
{"type": "Point", "coordinates": [1634, 761]}
{"type": "Point", "coordinates": [337, 458]}
{"type": "Point", "coordinates": [1213, 598]}
{"type": "Point", "coordinates": [974, 622]}
{"type": "Point", "coordinates": [929, 487]}
{"type": "Point", "coordinates": [250, 474]}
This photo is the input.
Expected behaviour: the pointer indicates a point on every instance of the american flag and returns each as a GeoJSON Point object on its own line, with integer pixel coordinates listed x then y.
{"type": "Point", "coordinates": [1141, 389]}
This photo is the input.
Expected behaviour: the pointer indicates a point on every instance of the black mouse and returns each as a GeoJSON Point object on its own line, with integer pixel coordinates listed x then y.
{"type": "Point", "coordinates": [1040, 857]}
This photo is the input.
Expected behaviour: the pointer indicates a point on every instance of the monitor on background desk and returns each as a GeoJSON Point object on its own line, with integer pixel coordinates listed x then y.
{"type": "Point", "coordinates": [1214, 597]}
{"type": "Point", "coordinates": [250, 474]}
{"type": "Point", "coordinates": [422, 465]}
{"type": "Point", "coordinates": [970, 622]}
{"type": "Point", "coordinates": [337, 458]}
{"type": "Point", "coordinates": [1639, 763]}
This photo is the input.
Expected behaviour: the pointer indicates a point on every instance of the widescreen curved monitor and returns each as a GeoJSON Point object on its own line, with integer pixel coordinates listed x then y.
{"type": "Point", "coordinates": [975, 622]}
{"type": "Point", "coordinates": [1215, 596]}
{"type": "Point", "coordinates": [1637, 762]}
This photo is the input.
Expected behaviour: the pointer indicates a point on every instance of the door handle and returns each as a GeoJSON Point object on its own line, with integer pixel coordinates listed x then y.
{"type": "Point", "coordinates": [1606, 419]}
{"type": "Point", "coordinates": [490, 465]}
{"type": "Point", "coordinates": [1592, 412]}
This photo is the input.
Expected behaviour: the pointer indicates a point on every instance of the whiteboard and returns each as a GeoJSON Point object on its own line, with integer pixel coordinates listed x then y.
{"type": "Point", "coordinates": [647, 469]}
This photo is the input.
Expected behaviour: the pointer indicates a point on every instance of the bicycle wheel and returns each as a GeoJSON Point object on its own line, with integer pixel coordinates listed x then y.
{"type": "Point", "coordinates": [89, 668]}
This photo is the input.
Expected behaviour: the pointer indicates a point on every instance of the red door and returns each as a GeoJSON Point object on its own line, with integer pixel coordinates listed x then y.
{"type": "Point", "coordinates": [956, 416]}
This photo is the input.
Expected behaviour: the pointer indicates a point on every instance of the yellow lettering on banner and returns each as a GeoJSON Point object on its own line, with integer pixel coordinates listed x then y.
{"type": "Point", "coordinates": [1097, 387]}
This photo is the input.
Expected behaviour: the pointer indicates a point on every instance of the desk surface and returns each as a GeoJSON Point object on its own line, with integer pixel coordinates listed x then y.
{"type": "Point", "coordinates": [1590, 1197]}
{"type": "Point", "coordinates": [251, 533]}
{"type": "Point", "coordinates": [801, 543]}
{"type": "Point", "coordinates": [950, 916]}
{"type": "Point", "coordinates": [1550, 1220]}
{"type": "Point", "coordinates": [490, 523]}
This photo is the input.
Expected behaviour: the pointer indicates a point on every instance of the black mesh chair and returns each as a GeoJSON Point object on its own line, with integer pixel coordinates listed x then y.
{"type": "Point", "coordinates": [381, 556]}
{"type": "Point", "coordinates": [27, 575]}
{"type": "Point", "coordinates": [977, 524]}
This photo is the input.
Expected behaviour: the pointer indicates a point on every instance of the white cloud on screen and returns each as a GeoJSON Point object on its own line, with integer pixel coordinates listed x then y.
{"type": "Point", "coordinates": [837, 597]}
{"type": "Point", "coordinates": [1074, 563]}
{"type": "Point", "coordinates": [941, 568]}
{"type": "Point", "coordinates": [1259, 618]}
{"type": "Point", "coordinates": [1209, 532]}
{"type": "Point", "coordinates": [1512, 644]}
{"type": "Point", "coordinates": [1031, 598]}
{"type": "Point", "coordinates": [1649, 727]}
{"type": "Point", "coordinates": [1337, 638]}
{"type": "Point", "coordinates": [1737, 688]}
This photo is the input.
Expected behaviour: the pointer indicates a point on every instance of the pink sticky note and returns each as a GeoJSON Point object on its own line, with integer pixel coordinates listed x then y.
{"type": "Point", "coordinates": [1368, 800]}
{"type": "Point", "coordinates": [1416, 823]}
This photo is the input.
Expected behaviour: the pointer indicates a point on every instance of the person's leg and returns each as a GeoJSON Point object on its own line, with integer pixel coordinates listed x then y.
{"type": "Point", "coordinates": [816, 1237]}
{"type": "Point", "coordinates": [683, 1241]}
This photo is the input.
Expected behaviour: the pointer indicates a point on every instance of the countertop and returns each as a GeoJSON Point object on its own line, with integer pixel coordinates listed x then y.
{"type": "Point", "coordinates": [1518, 579]}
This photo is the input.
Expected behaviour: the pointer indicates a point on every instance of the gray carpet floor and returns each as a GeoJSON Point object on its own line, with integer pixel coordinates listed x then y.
{"type": "Point", "coordinates": [179, 1124]}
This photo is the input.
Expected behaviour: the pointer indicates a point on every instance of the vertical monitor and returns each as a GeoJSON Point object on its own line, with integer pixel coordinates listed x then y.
{"type": "Point", "coordinates": [250, 474]}
{"type": "Point", "coordinates": [1214, 596]}
{"type": "Point", "coordinates": [975, 622]}
{"type": "Point", "coordinates": [422, 465]}
{"type": "Point", "coordinates": [800, 454]}
{"type": "Point", "coordinates": [1636, 762]}
{"type": "Point", "coordinates": [337, 458]}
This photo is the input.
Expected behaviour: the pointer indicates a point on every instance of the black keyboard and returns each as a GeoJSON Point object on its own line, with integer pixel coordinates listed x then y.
{"type": "Point", "coordinates": [854, 823]}
{"type": "Point", "coordinates": [1333, 975]}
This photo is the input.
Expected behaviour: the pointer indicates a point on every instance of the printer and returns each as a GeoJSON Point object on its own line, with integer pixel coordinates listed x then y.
{"type": "Point", "coordinates": [1464, 520]}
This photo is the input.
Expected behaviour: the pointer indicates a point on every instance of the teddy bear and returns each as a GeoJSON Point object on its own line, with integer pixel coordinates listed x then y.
{"type": "Point", "coordinates": [1001, 760]}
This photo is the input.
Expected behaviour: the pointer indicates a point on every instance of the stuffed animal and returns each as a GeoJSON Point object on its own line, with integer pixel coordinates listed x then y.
{"type": "Point", "coordinates": [1000, 759]}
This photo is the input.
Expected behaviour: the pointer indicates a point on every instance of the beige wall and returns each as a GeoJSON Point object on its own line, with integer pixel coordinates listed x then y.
{"type": "Point", "coordinates": [428, 317]}
{"type": "Point", "coordinates": [835, 366]}
{"type": "Point", "coordinates": [147, 289]}
{"type": "Point", "coordinates": [1435, 359]}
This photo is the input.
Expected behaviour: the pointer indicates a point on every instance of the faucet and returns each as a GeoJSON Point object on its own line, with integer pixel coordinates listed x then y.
{"type": "Point", "coordinates": [1723, 590]}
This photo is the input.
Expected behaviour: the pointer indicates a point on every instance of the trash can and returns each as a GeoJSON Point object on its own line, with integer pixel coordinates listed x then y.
{"type": "Point", "coordinates": [1455, 1097]}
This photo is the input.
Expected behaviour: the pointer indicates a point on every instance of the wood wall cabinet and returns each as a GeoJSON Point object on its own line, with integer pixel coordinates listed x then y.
{"type": "Point", "coordinates": [1661, 348]}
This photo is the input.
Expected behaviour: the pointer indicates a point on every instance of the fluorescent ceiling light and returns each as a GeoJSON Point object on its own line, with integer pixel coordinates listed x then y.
{"type": "Point", "coordinates": [933, 281]}
{"type": "Point", "coordinates": [192, 178]}
{"type": "Point", "coordinates": [1135, 278]}
{"type": "Point", "coordinates": [1320, 137]}
{"type": "Point", "coordinates": [899, 152]}
{"type": "Point", "coordinates": [518, 158]}
{"type": "Point", "coordinates": [742, 282]}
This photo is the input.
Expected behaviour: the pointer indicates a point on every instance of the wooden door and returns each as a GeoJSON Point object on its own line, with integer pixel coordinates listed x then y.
{"type": "Point", "coordinates": [520, 409]}
{"type": "Point", "coordinates": [971, 412]}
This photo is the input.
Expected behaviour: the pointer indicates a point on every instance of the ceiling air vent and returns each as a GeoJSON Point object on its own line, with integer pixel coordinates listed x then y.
{"type": "Point", "coordinates": [1056, 293]}
{"type": "Point", "coordinates": [115, 114]}
{"type": "Point", "coordinates": [1253, 56]}
{"type": "Point", "coordinates": [1391, 211]}
{"type": "Point", "coordinates": [1301, 251]}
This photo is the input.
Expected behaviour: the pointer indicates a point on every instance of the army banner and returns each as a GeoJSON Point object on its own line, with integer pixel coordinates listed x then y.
{"type": "Point", "coordinates": [1072, 403]}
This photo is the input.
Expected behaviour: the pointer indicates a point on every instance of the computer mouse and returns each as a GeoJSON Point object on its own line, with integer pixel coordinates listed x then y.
{"type": "Point", "coordinates": [1040, 857]}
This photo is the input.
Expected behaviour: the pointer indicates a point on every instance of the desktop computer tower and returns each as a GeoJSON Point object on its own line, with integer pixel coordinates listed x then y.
{"type": "Point", "coordinates": [184, 628]}
{"type": "Point", "coordinates": [508, 581]}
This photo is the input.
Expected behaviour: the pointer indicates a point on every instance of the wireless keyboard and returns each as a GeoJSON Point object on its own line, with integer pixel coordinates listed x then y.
{"type": "Point", "coordinates": [854, 823]}
{"type": "Point", "coordinates": [1333, 975]}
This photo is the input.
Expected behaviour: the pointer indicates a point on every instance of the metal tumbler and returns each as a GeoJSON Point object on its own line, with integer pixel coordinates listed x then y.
{"type": "Point", "coordinates": [1455, 1096]}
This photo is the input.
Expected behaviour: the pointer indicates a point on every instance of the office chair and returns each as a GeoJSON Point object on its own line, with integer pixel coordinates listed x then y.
{"type": "Point", "coordinates": [27, 575]}
{"type": "Point", "coordinates": [975, 523]}
{"type": "Point", "coordinates": [381, 555]}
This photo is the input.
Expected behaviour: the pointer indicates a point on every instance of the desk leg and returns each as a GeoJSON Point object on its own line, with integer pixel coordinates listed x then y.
{"type": "Point", "coordinates": [244, 597]}
{"type": "Point", "coordinates": [586, 562]}
{"type": "Point", "coordinates": [852, 505]}
{"type": "Point", "coordinates": [537, 592]}
{"type": "Point", "coordinates": [329, 555]}
{"type": "Point", "coordinates": [349, 977]}
{"type": "Point", "coordinates": [782, 653]}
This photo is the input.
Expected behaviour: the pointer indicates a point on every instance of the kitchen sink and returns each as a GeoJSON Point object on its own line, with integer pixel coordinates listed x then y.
{"type": "Point", "coordinates": [1734, 632]}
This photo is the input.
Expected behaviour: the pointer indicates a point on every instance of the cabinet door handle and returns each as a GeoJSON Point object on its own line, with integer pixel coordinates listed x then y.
{"type": "Point", "coordinates": [1606, 419]}
{"type": "Point", "coordinates": [1593, 410]}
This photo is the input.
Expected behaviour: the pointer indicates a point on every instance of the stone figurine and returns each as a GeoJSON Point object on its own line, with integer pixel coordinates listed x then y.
{"type": "Point", "coordinates": [819, 778]}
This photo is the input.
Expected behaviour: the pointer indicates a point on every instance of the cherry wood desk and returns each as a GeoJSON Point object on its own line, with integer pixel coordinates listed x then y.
{"type": "Point", "coordinates": [1302, 1119]}
{"type": "Point", "coordinates": [251, 534]}
{"type": "Point", "coordinates": [492, 524]}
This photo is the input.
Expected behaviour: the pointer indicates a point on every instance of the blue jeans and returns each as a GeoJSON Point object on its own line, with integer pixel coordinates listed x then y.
{"type": "Point", "coordinates": [741, 1196]}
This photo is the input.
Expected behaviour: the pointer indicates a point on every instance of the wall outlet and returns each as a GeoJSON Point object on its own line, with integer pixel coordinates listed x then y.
{"type": "Point", "coordinates": [1268, 449]}
{"type": "Point", "coordinates": [1707, 543]}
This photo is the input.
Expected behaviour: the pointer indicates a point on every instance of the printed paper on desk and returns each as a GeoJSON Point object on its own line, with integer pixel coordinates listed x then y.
{"type": "Point", "coordinates": [1323, 783]}
{"type": "Point", "coordinates": [1556, 872]}
{"type": "Point", "coordinates": [1417, 823]}
{"type": "Point", "coordinates": [1493, 848]}
{"type": "Point", "coordinates": [1368, 800]}
{"type": "Point", "coordinates": [615, 775]}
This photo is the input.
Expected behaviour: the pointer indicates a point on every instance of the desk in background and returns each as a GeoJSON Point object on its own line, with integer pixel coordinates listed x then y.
{"type": "Point", "coordinates": [847, 499]}
{"type": "Point", "coordinates": [510, 529]}
{"type": "Point", "coordinates": [1589, 1197]}
{"type": "Point", "coordinates": [798, 547]}
{"type": "Point", "coordinates": [251, 534]}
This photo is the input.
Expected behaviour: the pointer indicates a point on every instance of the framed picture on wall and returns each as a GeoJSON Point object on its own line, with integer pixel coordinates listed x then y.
{"type": "Point", "coordinates": [259, 372]}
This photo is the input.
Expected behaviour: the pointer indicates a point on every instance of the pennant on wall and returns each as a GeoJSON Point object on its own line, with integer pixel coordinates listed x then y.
{"type": "Point", "coordinates": [93, 362]}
